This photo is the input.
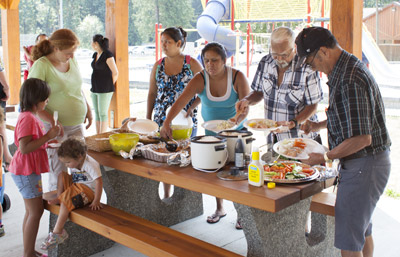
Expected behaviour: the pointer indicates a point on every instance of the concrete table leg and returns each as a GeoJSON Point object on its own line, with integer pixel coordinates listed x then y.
{"type": "Point", "coordinates": [283, 233]}
{"type": "Point", "coordinates": [81, 241]}
{"type": "Point", "coordinates": [139, 196]}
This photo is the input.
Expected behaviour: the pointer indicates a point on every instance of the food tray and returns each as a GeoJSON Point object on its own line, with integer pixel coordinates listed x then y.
{"type": "Point", "coordinates": [314, 176]}
{"type": "Point", "coordinates": [149, 152]}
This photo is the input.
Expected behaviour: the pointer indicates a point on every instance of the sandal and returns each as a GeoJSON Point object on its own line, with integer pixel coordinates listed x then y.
{"type": "Point", "coordinates": [238, 224]}
{"type": "Point", "coordinates": [214, 218]}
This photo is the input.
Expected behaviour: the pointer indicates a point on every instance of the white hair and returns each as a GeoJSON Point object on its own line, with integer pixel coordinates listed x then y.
{"type": "Point", "coordinates": [283, 34]}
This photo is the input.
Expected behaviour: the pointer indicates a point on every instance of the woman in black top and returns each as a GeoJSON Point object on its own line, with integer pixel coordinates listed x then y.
{"type": "Point", "coordinates": [104, 75]}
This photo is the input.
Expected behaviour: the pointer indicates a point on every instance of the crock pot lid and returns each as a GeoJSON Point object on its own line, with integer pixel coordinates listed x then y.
{"type": "Point", "coordinates": [243, 132]}
{"type": "Point", "coordinates": [197, 138]}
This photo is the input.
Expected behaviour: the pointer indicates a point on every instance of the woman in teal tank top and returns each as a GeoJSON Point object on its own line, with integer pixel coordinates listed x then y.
{"type": "Point", "coordinates": [219, 87]}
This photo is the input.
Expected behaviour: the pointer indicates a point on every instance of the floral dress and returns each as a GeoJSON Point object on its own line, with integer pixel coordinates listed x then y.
{"type": "Point", "coordinates": [169, 88]}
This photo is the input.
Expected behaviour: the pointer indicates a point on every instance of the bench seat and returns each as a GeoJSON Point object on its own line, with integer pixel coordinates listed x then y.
{"type": "Point", "coordinates": [324, 203]}
{"type": "Point", "coordinates": [139, 234]}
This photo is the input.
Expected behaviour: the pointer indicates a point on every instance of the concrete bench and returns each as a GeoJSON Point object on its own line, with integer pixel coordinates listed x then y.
{"type": "Point", "coordinates": [136, 233]}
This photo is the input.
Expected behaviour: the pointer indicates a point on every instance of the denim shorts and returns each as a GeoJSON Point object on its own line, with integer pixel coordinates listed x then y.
{"type": "Point", "coordinates": [29, 186]}
{"type": "Point", "coordinates": [361, 183]}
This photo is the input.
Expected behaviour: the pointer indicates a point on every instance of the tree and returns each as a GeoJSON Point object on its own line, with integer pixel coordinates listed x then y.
{"type": "Point", "coordinates": [171, 13]}
{"type": "Point", "coordinates": [90, 26]}
{"type": "Point", "coordinates": [381, 3]}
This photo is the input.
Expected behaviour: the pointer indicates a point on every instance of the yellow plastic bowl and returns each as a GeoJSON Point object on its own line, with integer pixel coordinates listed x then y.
{"type": "Point", "coordinates": [123, 141]}
{"type": "Point", "coordinates": [181, 132]}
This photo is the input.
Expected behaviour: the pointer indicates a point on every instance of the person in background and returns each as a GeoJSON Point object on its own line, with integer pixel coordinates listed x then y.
{"type": "Point", "coordinates": [169, 77]}
{"type": "Point", "coordinates": [83, 187]}
{"type": "Point", "coordinates": [30, 160]}
{"type": "Point", "coordinates": [55, 63]}
{"type": "Point", "coordinates": [2, 232]}
{"type": "Point", "coordinates": [28, 53]}
{"type": "Point", "coordinates": [4, 95]}
{"type": "Point", "coordinates": [104, 76]}
{"type": "Point", "coordinates": [219, 87]}
{"type": "Point", "coordinates": [357, 136]}
{"type": "Point", "coordinates": [291, 95]}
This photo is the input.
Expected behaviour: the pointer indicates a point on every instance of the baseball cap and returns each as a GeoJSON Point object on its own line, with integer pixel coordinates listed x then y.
{"type": "Point", "coordinates": [310, 40]}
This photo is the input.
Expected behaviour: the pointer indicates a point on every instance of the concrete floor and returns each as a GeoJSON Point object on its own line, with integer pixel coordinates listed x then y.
{"type": "Point", "coordinates": [386, 228]}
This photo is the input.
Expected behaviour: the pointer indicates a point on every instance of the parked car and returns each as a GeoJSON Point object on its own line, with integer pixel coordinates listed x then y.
{"type": "Point", "coordinates": [256, 48]}
{"type": "Point", "coordinates": [131, 49]}
{"type": "Point", "coordinates": [145, 50]}
{"type": "Point", "coordinates": [83, 53]}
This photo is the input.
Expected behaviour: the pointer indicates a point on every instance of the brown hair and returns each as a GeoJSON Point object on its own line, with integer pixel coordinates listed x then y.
{"type": "Point", "coordinates": [72, 148]}
{"type": "Point", "coordinates": [32, 92]}
{"type": "Point", "coordinates": [62, 39]}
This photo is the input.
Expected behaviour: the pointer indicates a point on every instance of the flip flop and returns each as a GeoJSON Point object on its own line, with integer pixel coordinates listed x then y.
{"type": "Point", "coordinates": [214, 218]}
{"type": "Point", "coordinates": [238, 224]}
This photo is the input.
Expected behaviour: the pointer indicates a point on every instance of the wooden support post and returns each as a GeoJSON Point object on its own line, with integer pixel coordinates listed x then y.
{"type": "Point", "coordinates": [346, 24]}
{"type": "Point", "coordinates": [117, 20]}
{"type": "Point", "coordinates": [11, 47]}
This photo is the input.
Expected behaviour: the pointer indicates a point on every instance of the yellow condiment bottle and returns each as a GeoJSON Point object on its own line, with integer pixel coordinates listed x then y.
{"type": "Point", "coordinates": [255, 169]}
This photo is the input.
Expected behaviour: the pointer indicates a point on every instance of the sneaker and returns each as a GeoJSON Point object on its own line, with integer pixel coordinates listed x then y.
{"type": "Point", "coordinates": [53, 240]}
{"type": "Point", "coordinates": [2, 232]}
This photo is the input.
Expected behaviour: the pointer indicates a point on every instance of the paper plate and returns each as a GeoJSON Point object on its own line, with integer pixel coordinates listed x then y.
{"type": "Point", "coordinates": [212, 125]}
{"type": "Point", "coordinates": [248, 124]}
{"type": "Point", "coordinates": [143, 126]}
{"type": "Point", "coordinates": [312, 146]}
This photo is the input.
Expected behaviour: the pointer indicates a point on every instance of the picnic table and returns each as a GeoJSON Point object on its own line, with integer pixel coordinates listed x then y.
{"type": "Point", "coordinates": [273, 219]}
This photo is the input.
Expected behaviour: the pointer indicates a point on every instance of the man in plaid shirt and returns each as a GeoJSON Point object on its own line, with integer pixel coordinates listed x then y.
{"type": "Point", "coordinates": [291, 94]}
{"type": "Point", "coordinates": [357, 135]}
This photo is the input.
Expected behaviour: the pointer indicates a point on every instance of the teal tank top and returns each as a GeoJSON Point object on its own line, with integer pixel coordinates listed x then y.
{"type": "Point", "coordinates": [218, 108]}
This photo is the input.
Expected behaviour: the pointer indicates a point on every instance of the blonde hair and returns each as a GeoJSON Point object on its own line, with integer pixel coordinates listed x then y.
{"type": "Point", "coordinates": [62, 39]}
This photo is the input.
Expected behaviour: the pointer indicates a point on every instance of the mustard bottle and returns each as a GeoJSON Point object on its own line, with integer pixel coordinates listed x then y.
{"type": "Point", "coordinates": [255, 169]}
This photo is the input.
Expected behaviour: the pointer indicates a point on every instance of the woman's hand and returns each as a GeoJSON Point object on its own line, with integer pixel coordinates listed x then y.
{"type": "Point", "coordinates": [166, 131]}
{"type": "Point", "coordinates": [88, 118]}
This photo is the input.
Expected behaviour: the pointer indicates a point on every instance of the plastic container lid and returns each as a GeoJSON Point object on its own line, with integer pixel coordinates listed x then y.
{"type": "Point", "coordinates": [181, 118]}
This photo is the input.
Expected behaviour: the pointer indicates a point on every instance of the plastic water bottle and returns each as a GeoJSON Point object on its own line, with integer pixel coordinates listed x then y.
{"type": "Point", "coordinates": [239, 153]}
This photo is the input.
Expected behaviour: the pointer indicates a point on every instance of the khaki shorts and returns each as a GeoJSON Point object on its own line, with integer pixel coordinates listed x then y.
{"type": "Point", "coordinates": [75, 195]}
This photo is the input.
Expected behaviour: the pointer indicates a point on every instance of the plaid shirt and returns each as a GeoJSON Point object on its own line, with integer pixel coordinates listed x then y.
{"type": "Point", "coordinates": [299, 88]}
{"type": "Point", "coordinates": [355, 105]}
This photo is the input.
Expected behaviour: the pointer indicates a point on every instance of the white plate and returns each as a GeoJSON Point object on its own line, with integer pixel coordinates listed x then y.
{"type": "Point", "coordinates": [143, 126]}
{"type": "Point", "coordinates": [246, 124]}
{"type": "Point", "coordinates": [54, 145]}
{"type": "Point", "coordinates": [312, 146]}
{"type": "Point", "coordinates": [212, 125]}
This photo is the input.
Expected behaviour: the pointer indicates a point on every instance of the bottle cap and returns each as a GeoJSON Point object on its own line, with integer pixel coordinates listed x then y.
{"type": "Point", "coordinates": [271, 185]}
{"type": "Point", "coordinates": [255, 156]}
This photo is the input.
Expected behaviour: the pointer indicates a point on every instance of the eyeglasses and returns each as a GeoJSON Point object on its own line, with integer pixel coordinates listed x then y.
{"type": "Point", "coordinates": [284, 56]}
{"type": "Point", "coordinates": [306, 60]}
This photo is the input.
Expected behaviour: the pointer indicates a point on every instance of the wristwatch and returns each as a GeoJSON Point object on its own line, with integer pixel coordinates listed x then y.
{"type": "Point", "coordinates": [295, 122]}
{"type": "Point", "coordinates": [326, 157]}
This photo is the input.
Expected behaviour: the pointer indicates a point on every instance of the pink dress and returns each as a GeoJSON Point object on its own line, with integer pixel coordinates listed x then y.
{"type": "Point", "coordinates": [29, 62]}
{"type": "Point", "coordinates": [37, 161]}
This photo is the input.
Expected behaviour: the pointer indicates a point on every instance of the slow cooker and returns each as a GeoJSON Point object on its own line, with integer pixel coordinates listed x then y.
{"type": "Point", "coordinates": [208, 153]}
{"type": "Point", "coordinates": [232, 137]}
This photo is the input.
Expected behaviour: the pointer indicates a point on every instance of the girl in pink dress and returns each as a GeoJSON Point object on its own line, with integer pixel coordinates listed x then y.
{"type": "Point", "coordinates": [30, 159]}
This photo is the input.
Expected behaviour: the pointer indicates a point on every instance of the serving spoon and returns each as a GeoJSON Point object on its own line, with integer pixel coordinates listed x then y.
{"type": "Point", "coordinates": [171, 147]}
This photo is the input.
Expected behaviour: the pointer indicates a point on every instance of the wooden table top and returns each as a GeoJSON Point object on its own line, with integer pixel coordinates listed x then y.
{"type": "Point", "coordinates": [271, 200]}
